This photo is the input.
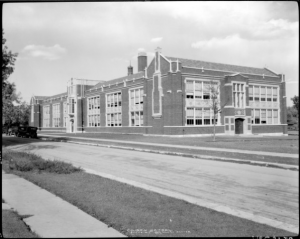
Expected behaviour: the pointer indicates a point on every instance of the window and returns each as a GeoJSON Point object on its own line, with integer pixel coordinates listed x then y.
{"type": "Point", "coordinates": [65, 114]}
{"type": "Point", "coordinates": [262, 93]}
{"type": "Point", "coordinates": [263, 116]}
{"type": "Point", "coordinates": [56, 115]}
{"type": "Point", "coordinates": [257, 117]}
{"type": "Point", "coordinates": [136, 107]}
{"type": "Point", "coordinates": [71, 105]}
{"type": "Point", "coordinates": [250, 93]}
{"type": "Point", "coordinates": [269, 94]}
{"type": "Point", "coordinates": [269, 115]}
{"type": "Point", "coordinates": [46, 116]}
{"type": "Point", "coordinates": [206, 116]}
{"type": "Point", "coordinates": [275, 94]}
{"type": "Point", "coordinates": [93, 111]}
{"type": "Point", "coordinates": [238, 95]}
{"type": "Point", "coordinates": [198, 90]}
{"type": "Point", "coordinates": [114, 109]}
{"type": "Point", "coordinates": [266, 112]}
{"type": "Point", "coordinates": [256, 93]}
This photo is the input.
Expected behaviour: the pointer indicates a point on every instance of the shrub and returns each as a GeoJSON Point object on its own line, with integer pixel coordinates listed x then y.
{"type": "Point", "coordinates": [23, 161]}
{"type": "Point", "coordinates": [23, 165]}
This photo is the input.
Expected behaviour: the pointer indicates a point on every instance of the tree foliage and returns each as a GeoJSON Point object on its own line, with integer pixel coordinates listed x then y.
{"type": "Point", "coordinates": [215, 103]}
{"type": "Point", "coordinates": [295, 100]}
{"type": "Point", "coordinates": [13, 110]}
{"type": "Point", "coordinates": [8, 61]}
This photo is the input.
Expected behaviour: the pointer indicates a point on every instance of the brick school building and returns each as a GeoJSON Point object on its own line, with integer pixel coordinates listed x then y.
{"type": "Point", "coordinates": [169, 96]}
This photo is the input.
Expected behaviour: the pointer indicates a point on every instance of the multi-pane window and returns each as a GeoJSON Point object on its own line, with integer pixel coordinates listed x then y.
{"type": "Point", "coordinates": [56, 115]}
{"type": "Point", "coordinates": [200, 116]}
{"type": "Point", "coordinates": [264, 116]}
{"type": "Point", "coordinates": [263, 93]}
{"type": "Point", "coordinates": [114, 109]}
{"type": "Point", "coordinates": [238, 95]}
{"type": "Point", "coordinates": [71, 105]}
{"type": "Point", "coordinates": [46, 116]}
{"type": "Point", "coordinates": [198, 96]}
{"type": "Point", "coordinates": [94, 111]}
{"type": "Point", "coordinates": [136, 107]}
{"type": "Point", "coordinates": [65, 114]}
{"type": "Point", "coordinates": [264, 100]}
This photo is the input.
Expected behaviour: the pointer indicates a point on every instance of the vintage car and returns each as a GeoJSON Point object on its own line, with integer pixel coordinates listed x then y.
{"type": "Point", "coordinates": [25, 131]}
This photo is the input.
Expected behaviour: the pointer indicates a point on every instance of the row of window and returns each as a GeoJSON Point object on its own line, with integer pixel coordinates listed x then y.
{"type": "Point", "coordinates": [264, 116]}
{"type": "Point", "coordinates": [56, 115]}
{"type": "Point", "coordinates": [194, 115]}
{"type": "Point", "coordinates": [199, 89]}
{"type": "Point", "coordinates": [263, 93]}
{"type": "Point", "coordinates": [200, 116]}
{"type": "Point", "coordinates": [136, 107]}
{"type": "Point", "coordinates": [94, 111]}
{"type": "Point", "coordinates": [238, 90]}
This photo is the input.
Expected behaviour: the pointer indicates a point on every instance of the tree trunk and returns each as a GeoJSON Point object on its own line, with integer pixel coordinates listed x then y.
{"type": "Point", "coordinates": [214, 127]}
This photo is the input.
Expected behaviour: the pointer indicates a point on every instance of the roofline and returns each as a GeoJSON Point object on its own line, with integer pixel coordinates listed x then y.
{"type": "Point", "coordinates": [227, 71]}
{"type": "Point", "coordinates": [271, 70]}
{"type": "Point", "coordinates": [119, 82]}
{"type": "Point", "coordinates": [238, 74]}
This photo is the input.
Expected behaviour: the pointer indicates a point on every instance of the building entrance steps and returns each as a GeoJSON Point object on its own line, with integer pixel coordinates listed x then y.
{"type": "Point", "coordinates": [263, 153]}
{"type": "Point", "coordinates": [51, 216]}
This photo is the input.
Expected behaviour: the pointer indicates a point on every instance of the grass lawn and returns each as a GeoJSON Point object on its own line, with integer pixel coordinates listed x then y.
{"type": "Point", "coordinates": [137, 212]}
{"type": "Point", "coordinates": [279, 144]}
{"type": "Point", "coordinates": [259, 158]}
{"type": "Point", "coordinates": [14, 227]}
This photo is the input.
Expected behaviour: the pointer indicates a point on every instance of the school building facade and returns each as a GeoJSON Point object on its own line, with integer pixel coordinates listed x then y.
{"type": "Point", "coordinates": [169, 96]}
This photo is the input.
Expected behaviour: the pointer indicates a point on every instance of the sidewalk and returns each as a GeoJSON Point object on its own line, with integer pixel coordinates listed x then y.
{"type": "Point", "coordinates": [51, 216]}
{"type": "Point", "coordinates": [182, 146]}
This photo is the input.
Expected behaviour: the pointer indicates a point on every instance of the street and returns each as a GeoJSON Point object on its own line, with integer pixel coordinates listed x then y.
{"type": "Point", "coordinates": [264, 192]}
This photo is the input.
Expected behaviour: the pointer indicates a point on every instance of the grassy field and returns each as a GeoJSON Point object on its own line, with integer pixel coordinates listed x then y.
{"type": "Point", "coordinates": [137, 212]}
{"type": "Point", "coordinates": [14, 227]}
{"type": "Point", "coordinates": [189, 152]}
{"type": "Point", "coordinates": [279, 144]}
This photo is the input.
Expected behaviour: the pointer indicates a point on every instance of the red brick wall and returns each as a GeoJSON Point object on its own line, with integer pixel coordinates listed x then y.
{"type": "Point", "coordinates": [269, 129]}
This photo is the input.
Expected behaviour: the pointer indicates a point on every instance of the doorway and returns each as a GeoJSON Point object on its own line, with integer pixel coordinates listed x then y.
{"type": "Point", "coordinates": [239, 126]}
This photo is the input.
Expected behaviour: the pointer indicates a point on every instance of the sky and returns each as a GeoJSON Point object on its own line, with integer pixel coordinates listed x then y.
{"type": "Point", "coordinates": [98, 40]}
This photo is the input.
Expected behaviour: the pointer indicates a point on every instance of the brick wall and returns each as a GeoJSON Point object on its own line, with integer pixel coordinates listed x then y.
{"type": "Point", "coordinates": [268, 129]}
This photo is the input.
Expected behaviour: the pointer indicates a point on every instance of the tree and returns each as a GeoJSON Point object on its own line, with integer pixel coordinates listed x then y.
{"type": "Point", "coordinates": [9, 98]}
{"type": "Point", "coordinates": [8, 61]}
{"type": "Point", "coordinates": [295, 100]}
{"type": "Point", "coordinates": [214, 102]}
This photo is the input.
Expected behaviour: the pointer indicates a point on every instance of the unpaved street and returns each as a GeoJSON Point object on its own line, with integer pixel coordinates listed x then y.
{"type": "Point", "coordinates": [269, 193]}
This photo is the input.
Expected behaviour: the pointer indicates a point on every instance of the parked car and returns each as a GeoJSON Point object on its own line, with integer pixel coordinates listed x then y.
{"type": "Point", "coordinates": [26, 131]}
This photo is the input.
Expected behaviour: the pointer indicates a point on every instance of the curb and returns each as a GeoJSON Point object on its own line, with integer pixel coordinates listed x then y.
{"type": "Point", "coordinates": [232, 160]}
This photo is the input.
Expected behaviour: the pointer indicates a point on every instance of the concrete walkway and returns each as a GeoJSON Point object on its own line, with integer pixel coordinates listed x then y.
{"type": "Point", "coordinates": [263, 153]}
{"type": "Point", "coordinates": [51, 216]}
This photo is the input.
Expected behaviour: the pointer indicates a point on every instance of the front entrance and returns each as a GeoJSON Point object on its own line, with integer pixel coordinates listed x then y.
{"type": "Point", "coordinates": [239, 126]}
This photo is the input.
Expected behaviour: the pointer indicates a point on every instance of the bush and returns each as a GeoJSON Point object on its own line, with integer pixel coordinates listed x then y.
{"type": "Point", "coordinates": [23, 165]}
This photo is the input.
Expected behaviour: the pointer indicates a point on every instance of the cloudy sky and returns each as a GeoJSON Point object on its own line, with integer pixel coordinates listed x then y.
{"type": "Point", "coordinates": [58, 41]}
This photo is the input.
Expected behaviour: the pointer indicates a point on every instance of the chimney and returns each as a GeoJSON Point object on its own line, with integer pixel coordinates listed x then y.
{"type": "Point", "coordinates": [142, 61]}
{"type": "Point", "coordinates": [130, 70]}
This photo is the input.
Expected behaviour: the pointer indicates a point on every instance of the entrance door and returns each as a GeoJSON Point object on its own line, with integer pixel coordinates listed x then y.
{"type": "Point", "coordinates": [72, 126]}
{"type": "Point", "coordinates": [239, 126]}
